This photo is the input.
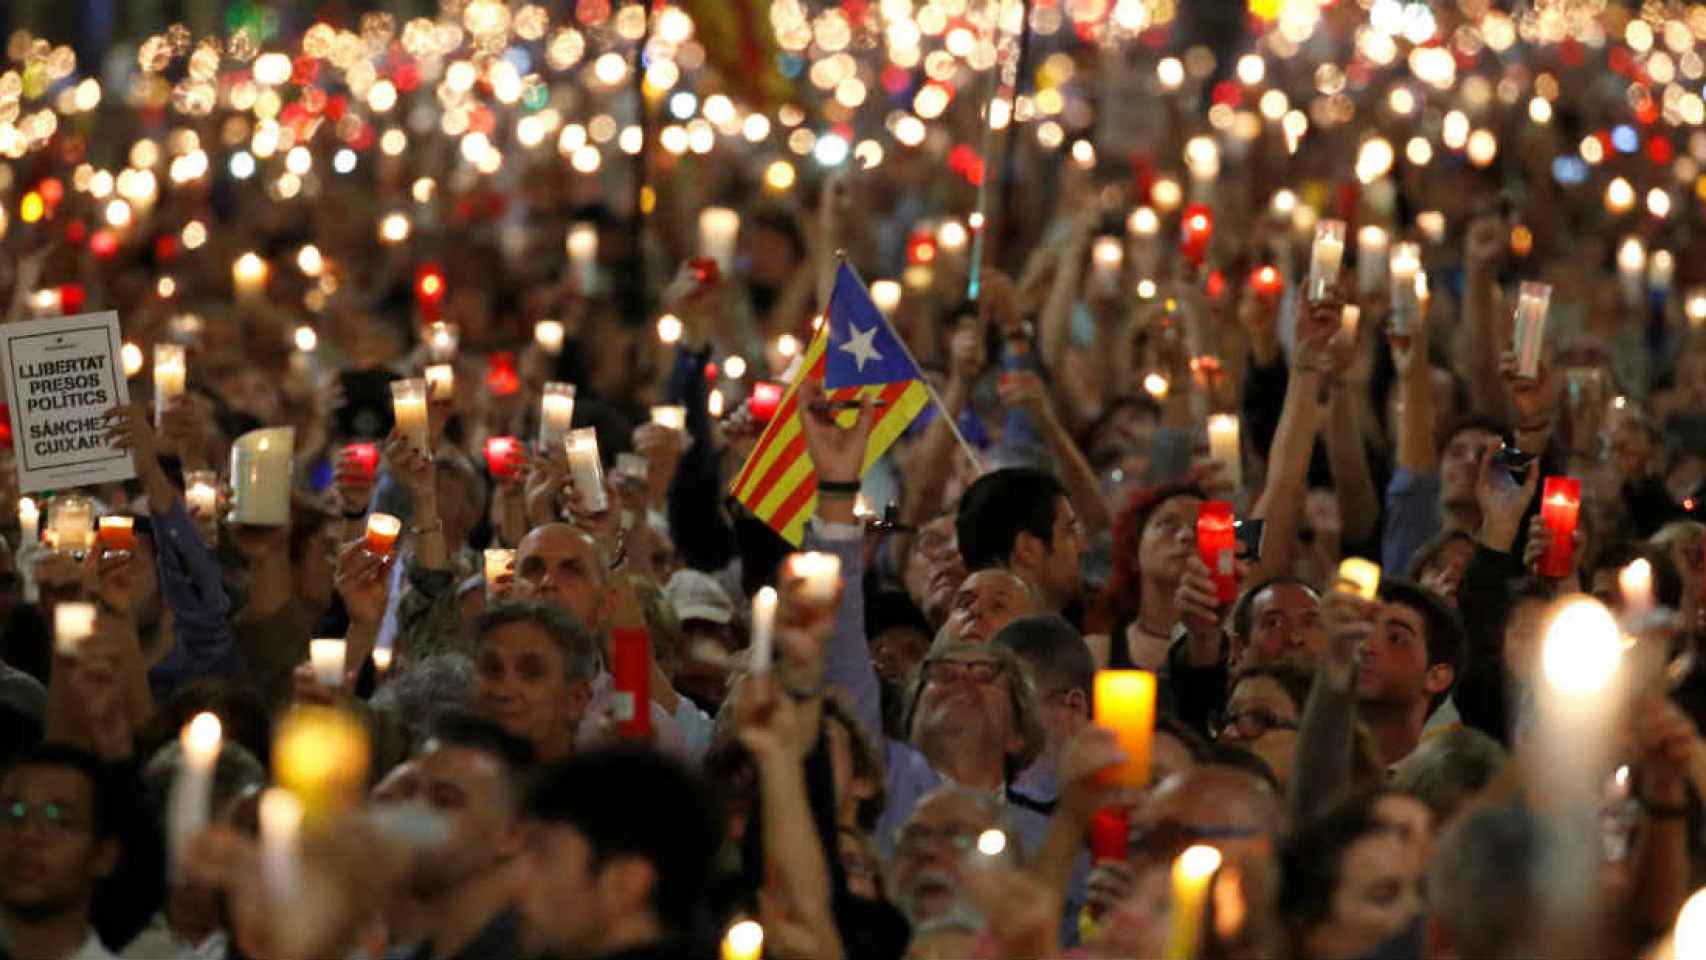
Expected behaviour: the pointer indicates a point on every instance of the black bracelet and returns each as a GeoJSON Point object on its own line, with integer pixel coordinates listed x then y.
{"type": "Point", "coordinates": [849, 487]}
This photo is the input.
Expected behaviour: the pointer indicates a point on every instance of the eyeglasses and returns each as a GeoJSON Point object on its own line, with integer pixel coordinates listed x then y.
{"type": "Point", "coordinates": [1169, 838]}
{"type": "Point", "coordinates": [1252, 723]}
{"type": "Point", "coordinates": [62, 818]}
{"type": "Point", "coordinates": [917, 841]}
{"type": "Point", "coordinates": [979, 672]}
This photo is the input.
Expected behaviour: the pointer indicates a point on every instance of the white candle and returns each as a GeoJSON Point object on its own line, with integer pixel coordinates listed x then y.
{"type": "Point", "coordinates": [190, 801]}
{"type": "Point", "coordinates": [951, 238]}
{"type": "Point", "coordinates": [582, 245]}
{"type": "Point", "coordinates": [886, 295]}
{"type": "Point", "coordinates": [1432, 225]}
{"type": "Point", "coordinates": [29, 522]}
{"type": "Point", "coordinates": [261, 477]}
{"type": "Point", "coordinates": [718, 228]}
{"type": "Point", "coordinates": [1636, 583]}
{"type": "Point", "coordinates": [409, 407]}
{"type": "Point", "coordinates": [1325, 257]}
{"type": "Point", "coordinates": [249, 276]}
{"type": "Point", "coordinates": [1372, 243]}
{"type": "Point", "coordinates": [1695, 306]}
{"type": "Point", "coordinates": [820, 572]}
{"type": "Point", "coordinates": [1405, 264]}
{"type": "Point", "coordinates": [170, 369]}
{"type": "Point", "coordinates": [72, 521]}
{"type": "Point", "coordinates": [1532, 302]}
{"type": "Point", "coordinates": [763, 627]}
{"type": "Point", "coordinates": [549, 335]}
{"type": "Point", "coordinates": [281, 830]}
{"type": "Point", "coordinates": [499, 566]}
{"type": "Point", "coordinates": [1631, 268]}
{"type": "Point", "coordinates": [1661, 271]}
{"type": "Point", "coordinates": [1107, 256]}
{"type": "Point", "coordinates": [556, 412]}
{"type": "Point", "coordinates": [201, 492]}
{"type": "Point", "coordinates": [442, 340]}
{"type": "Point", "coordinates": [73, 623]}
{"type": "Point", "coordinates": [1143, 224]}
{"type": "Point", "coordinates": [1202, 159]}
{"type": "Point", "coordinates": [441, 381]}
{"type": "Point", "coordinates": [327, 656]}
{"type": "Point", "coordinates": [382, 658]}
{"type": "Point", "coordinates": [1224, 446]}
{"type": "Point", "coordinates": [586, 470]}
{"type": "Point", "coordinates": [672, 416]}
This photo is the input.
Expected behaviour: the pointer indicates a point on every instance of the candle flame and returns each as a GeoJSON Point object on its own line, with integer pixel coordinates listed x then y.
{"type": "Point", "coordinates": [201, 735]}
{"type": "Point", "coordinates": [1198, 862]}
{"type": "Point", "coordinates": [1581, 648]}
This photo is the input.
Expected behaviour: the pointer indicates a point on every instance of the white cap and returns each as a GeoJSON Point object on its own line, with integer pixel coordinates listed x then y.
{"type": "Point", "coordinates": [698, 596]}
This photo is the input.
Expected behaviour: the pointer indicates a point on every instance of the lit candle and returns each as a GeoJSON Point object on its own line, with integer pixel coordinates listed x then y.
{"type": "Point", "coordinates": [556, 411]}
{"type": "Point", "coordinates": [1432, 225]}
{"type": "Point", "coordinates": [1224, 447]}
{"type": "Point", "coordinates": [503, 457]}
{"type": "Point", "coordinates": [633, 466]}
{"type": "Point", "coordinates": [1695, 306]}
{"type": "Point", "coordinates": [117, 533]}
{"type": "Point", "coordinates": [818, 573]}
{"type": "Point", "coordinates": [1635, 581]}
{"type": "Point", "coordinates": [321, 755]}
{"type": "Point", "coordinates": [671, 416]}
{"type": "Point", "coordinates": [1110, 835]}
{"type": "Point", "coordinates": [1406, 263]}
{"type": "Point", "coordinates": [441, 381]}
{"type": "Point", "coordinates": [1195, 232]}
{"type": "Point", "coordinates": [72, 520]}
{"type": "Point", "coordinates": [1143, 224]}
{"type": "Point", "coordinates": [29, 522]}
{"type": "Point", "coordinates": [409, 407]}
{"type": "Point", "coordinates": [586, 470]}
{"type": "Point", "coordinates": [1372, 243]}
{"type": "Point", "coordinates": [201, 492]}
{"type": "Point", "coordinates": [744, 941]}
{"type": "Point", "coordinates": [1661, 271]}
{"type": "Point", "coordinates": [281, 831]}
{"type": "Point", "coordinates": [763, 627]}
{"type": "Point", "coordinates": [1217, 545]}
{"type": "Point", "coordinates": [1349, 317]}
{"type": "Point", "coordinates": [886, 295]}
{"type": "Point", "coordinates": [1560, 506]}
{"type": "Point", "coordinates": [499, 564]}
{"type": "Point", "coordinates": [365, 456]}
{"type": "Point", "coordinates": [1124, 702]}
{"type": "Point", "coordinates": [1690, 934]}
{"type": "Point", "coordinates": [170, 369]}
{"type": "Point", "coordinates": [1325, 257]}
{"type": "Point", "coordinates": [191, 797]}
{"type": "Point", "coordinates": [549, 335]}
{"type": "Point", "coordinates": [1267, 282]}
{"type": "Point", "coordinates": [1192, 873]}
{"type": "Point", "coordinates": [951, 237]}
{"type": "Point", "coordinates": [1202, 159]}
{"type": "Point", "coordinates": [249, 276]}
{"type": "Point", "coordinates": [442, 340]}
{"type": "Point", "coordinates": [381, 659]}
{"type": "Point", "coordinates": [1360, 577]}
{"type": "Point", "coordinates": [73, 623]}
{"type": "Point", "coordinates": [382, 531]}
{"type": "Point", "coordinates": [1107, 255]}
{"type": "Point", "coordinates": [582, 245]}
{"type": "Point", "coordinates": [327, 656]}
{"type": "Point", "coordinates": [261, 477]}
{"type": "Point", "coordinates": [1581, 649]}
{"type": "Point", "coordinates": [630, 676]}
{"type": "Point", "coordinates": [766, 398]}
{"type": "Point", "coordinates": [1531, 305]}
{"type": "Point", "coordinates": [131, 356]}
{"type": "Point", "coordinates": [1631, 268]}
{"type": "Point", "coordinates": [718, 228]}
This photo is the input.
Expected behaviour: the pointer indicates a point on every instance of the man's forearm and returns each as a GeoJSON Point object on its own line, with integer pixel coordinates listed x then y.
{"type": "Point", "coordinates": [1077, 475]}
{"type": "Point", "coordinates": [1353, 482]}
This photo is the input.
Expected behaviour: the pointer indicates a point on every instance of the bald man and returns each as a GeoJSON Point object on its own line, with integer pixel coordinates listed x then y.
{"type": "Point", "coordinates": [988, 600]}
{"type": "Point", "coordinates": [563, 566]}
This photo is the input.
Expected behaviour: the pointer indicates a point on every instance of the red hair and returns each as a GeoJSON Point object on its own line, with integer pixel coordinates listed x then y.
{"type": "Point", "coordinates": [1121, 595]}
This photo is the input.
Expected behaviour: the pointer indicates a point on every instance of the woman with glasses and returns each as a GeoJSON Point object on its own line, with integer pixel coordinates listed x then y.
{"type": "Point", "coordinates": [1262, 711]}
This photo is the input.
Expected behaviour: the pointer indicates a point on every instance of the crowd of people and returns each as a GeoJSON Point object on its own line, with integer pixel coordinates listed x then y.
{"type": "Point", "coordinates": [572, 720]}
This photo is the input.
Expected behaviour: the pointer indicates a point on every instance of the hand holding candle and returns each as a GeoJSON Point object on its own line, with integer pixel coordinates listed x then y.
{"type": "Point", "coordinates": [556, 413]}
{"type": "Point", "coordinates": [382, 531]}
{"type": "Point", "coordinates": [630, 669]}
{"type": "Point", "coordinates": [188, 805]}
{"type": "Point", "coordinates": [499, 566]}
{"type": "Point", "coordinates": [1360, 577]}
{"type": "Point", "coordinates": [327, 656]}
{"type": "Point", "coordinates": [504, 457]}
{"type": "Point", "coordinates": [763, 630]}
{"type": "Point", "coordinates": [118, 533]}
{"type": "Point", "coordinates": [1224, 447]}
{"type": "Point", "coordinates": [1326, 257]}
{"type": "Point", "coordinates": [1560, 506]}
{"type": "Point", "coordinates": [819, 575]}
{"type": "Point", "coordinates": [73, 623]}
{"type": "Point", "coordinates": [1532, 302]}
{"type": "Point", "coordinates": [586, 470]}
{"type": "Point", "coordinates": [1406, 263]}
{"type": "Point", "coordinates": [671, 416]}
{"type": "Point", "coordinates": [1217, 545]}
{"type": "Point", "coordinates": [409, 405]}
{"type": "Point", "coordinates": [1124, 702]}
{"type": "Point", "coordinates": [170, 371]}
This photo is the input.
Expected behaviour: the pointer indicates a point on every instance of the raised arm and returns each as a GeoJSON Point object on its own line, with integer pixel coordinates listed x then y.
{"type": "Point", "coordinates": [1347, 455]}
{"type": "Point", "coordinates": [1326, 734]}
{"type": "Point", "coordinates": [1024, 390]}
{"type": "Point", "coordinates": [1475, 350]}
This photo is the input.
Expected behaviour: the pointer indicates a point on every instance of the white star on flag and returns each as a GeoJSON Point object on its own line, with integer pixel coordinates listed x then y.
{"type": "Point", "coordinates": [861, 347]}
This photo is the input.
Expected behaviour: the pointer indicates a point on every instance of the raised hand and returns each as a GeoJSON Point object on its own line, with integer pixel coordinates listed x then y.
{"type": "Point", "coordinates": [413, 468]}
{"type": "Point", "coordinates": [1349, 620]}
{"type": "Point", "coordinates": [128, 429]}
{"type": "Point", "coordinates": [1024, 390]}
{"type": "Point", "coordinates": [837, 452]}
{"type": "Point", "coordinates": [1533, 398]}
{"type": "Point", "coordinates": [546, 478]}
{"type": "Point", "coordinates": [1198, 601]}
{"type": "Point", "coordinates": [363, 580]}
{"type": "Point", "coordinates": [1502, 499]}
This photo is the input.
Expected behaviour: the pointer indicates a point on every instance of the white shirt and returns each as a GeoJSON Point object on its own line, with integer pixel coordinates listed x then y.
{"type": "Point", "coordinates": [159, 941]}
{"type": "Point", "coordinates": [92, 949]}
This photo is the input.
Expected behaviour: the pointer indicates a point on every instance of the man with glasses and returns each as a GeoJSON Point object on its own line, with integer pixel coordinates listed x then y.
{"type": "Point", "coordinates": [56, 843]}
{"type": "Point", "coordinates": [932, 850]}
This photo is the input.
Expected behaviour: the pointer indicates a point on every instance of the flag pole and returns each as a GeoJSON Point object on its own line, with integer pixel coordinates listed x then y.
{"type": "Point", "coordinates": [936, 398]}
{"type": "Point", "coordinates": [980, 219]}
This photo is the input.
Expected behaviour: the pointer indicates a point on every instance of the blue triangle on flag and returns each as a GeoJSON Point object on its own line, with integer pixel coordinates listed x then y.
{"type": "Point", "coordinates": [863, 349]}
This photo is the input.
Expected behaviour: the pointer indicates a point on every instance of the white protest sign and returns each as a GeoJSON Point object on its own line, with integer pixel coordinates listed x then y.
{"type": "Point", "coordinates": [62, 375]}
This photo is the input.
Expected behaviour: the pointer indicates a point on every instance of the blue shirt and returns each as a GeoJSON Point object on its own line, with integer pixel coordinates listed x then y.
{"type": "Point", "coordinates": [1412, 517]}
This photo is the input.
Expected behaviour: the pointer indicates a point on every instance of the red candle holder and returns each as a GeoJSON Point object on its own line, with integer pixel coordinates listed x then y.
{"type": "Point", "coordinates": [1110, 834]}
{"type": "Point", "coordinates": [1196, 230]}
{"type": "Point", "coordinates": [366, 456]}
{"type": "Point", "coordinates": [501, 378]}
{"type": "Point", "coordinates": [1560, 507]}
{"type": "Point", "coordinates": [630, 668]}
{"type": "Point", "coordinates": [503, 457]}
{"type": "Point", "coordinates": [766, 398]}
{"type": "Point", "coordinates": [1266, 281]}
{"type": "Point", "coordinates": [1216, 543]}
{"type": "Point", "coordinates": [706, 272]}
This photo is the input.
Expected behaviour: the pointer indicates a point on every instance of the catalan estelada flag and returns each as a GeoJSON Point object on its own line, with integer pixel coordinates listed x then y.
{"type": "Point", "coordinates": [855, 353]}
